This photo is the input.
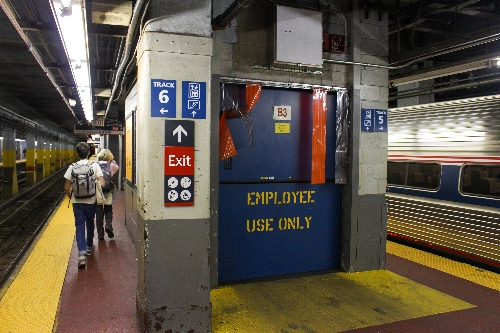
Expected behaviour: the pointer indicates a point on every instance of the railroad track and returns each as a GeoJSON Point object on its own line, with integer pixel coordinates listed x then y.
{"type": "Point", "coordinates": [22, 218]}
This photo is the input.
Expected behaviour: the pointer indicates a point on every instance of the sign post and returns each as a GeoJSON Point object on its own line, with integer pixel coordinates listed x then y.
{"type": "Point", "coordinates": [179, 163]}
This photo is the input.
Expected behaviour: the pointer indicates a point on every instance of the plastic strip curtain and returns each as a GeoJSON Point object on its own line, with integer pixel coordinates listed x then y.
{"type": "Point", "coordinates": [252, 96]}
{"type": "Point", "coordinates": [342, 142]}
{"type": "Point", "coordinates": [319, 137]}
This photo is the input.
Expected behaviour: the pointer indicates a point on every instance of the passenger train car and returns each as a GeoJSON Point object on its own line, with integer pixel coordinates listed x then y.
{"type": "Point", "coordinates": [443, 178]}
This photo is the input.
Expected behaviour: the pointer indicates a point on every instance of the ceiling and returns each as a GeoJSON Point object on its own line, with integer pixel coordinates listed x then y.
{"type": "Point", "coordinates": [450, 41]}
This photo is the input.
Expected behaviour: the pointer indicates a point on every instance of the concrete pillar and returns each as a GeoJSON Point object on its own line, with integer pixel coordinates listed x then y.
{"type": "Point", "coordinates": [57, 154]}
{"type": "Point", "coordinates": [46, 157]}
{"type": "Point", "coordinates": [9, 173]}
{"type": "Point", "coordinates": [52, 156]}
{"type": "Point", "coordinates": [40, 159]}
{"type": "Point", "coordinates": [173, 292]}
{"type": "Point", "coordinates": [364, 217]}
{"type": "Point", "coordinates": [67, 153]}
{"type": "Point", "coordinates": [30, 159]}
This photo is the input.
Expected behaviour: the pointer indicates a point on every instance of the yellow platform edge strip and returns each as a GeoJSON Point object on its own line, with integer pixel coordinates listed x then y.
{"type": "Point", "coordinates": [467, 272]}
{"type": "Point", "coordinates": [31, 302]}
{"type": "Point", "coordinates": [333, 302]}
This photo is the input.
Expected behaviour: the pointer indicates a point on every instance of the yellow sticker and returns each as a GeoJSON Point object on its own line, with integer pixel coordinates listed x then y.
{"type": "Point", "coordinates": [282, 128]}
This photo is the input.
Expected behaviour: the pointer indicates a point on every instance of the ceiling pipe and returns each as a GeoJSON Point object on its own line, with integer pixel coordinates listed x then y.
{"type": "Point", "coordinates": [126, 53]}
{"type": "Point", "coordinates": [444, 89]}
{"type": "Point", "coordinates": [461, 47]}
{"type": "Point", "coordinates": [223, 21]}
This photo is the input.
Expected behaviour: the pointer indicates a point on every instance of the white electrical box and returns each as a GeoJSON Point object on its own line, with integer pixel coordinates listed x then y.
{"type": "Point", "coordinates": [298, 37]}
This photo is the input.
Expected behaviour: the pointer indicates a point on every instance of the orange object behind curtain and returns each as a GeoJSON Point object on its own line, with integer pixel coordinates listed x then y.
{"type": "Point", "coordinates": [226, 144]}
{"type": "Point", "coordinates": [319, 137]}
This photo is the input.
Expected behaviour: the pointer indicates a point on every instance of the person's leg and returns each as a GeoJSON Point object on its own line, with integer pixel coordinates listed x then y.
{"type": "Point", "coordinates": [89, 218]}
{"type": "Point", "coordinates": [99, 217]}
{"type": "Point", "coordinates": [79, 213]}
{"type": "Point", "coordinates": [108, 214]}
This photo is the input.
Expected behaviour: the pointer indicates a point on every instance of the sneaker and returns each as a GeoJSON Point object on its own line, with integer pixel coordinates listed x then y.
{"type": "Point", "coordinates": [90, 250]}
{"type": "Point", "coordinates": [110, 232]}
{"type": "Point", "coordinates": [82, 261]}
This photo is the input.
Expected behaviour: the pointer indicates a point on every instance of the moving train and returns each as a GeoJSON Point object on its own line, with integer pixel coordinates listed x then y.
{"type": "Point", "coordinates": [443, 178]}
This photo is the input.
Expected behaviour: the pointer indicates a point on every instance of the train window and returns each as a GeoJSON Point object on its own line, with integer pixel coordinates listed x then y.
{"type": "Point", "coordinates": [414, 174]}
{"type": "Point", "coordinates": [481, 180]}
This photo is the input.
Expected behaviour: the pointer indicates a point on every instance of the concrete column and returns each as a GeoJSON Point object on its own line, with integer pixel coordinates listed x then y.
{"type": "Point", "coordinates": [46, 157]}
{"type": "Point", "coordinates": [57, 155]}
{"type": "Point", "coordinates": [30, 159]}
{"type": "Point", "coordinates": [9, 173]}
{"type": "Point", "coordinates": [364, 217]}
{"type": "Point", "coordinates": [173, 292]}
{"type": "Point", "coordinates": [52, 155]}
{"type": "Point", "coordinates": [40, 159]}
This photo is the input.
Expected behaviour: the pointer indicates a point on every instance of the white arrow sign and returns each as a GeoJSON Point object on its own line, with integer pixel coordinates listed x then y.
{"type": "Point", "coordinates": [193, 113]}
{"type": "Point", "coordinates": [162, 111]}
{"type": "Point", "coordinates": [179, 131]}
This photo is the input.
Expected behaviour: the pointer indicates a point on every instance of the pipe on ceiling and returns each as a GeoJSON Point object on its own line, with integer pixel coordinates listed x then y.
{"type": "Point", "coordinates": [126, 53]}
{"type": "Point", "coordinates": [444, 89]}
{"type": "Point", "coordinates": [223, 21]}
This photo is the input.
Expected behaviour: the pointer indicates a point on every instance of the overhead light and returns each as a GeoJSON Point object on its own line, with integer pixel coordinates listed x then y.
{"type": "Point", "coordinates": [72, 26]}
{"type": "Point", "coordinates": [71, 102]}
{"type": "Point", "coordinates": [495, 62]}
{"type": "Point", "coordinates": [66, 7]}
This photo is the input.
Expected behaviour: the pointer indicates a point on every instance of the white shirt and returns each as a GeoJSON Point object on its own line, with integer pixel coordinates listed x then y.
{"type": "Point", "coordinates": [97, 173]}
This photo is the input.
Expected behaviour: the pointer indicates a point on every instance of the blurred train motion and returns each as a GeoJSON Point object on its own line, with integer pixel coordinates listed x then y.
{"type": "Point", "coordinates": [443, 178]}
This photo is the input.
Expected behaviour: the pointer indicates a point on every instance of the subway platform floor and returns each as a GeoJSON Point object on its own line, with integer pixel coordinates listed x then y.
{"type": "Point", "coordinates": [417, 292]}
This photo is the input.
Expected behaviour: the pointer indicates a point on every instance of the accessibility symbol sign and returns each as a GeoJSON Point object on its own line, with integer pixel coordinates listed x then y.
{"type": "Point", "coordinates": [194, 100]}
{"type": "Point", "coordinates": [163, 98]}
{"type": "Point", "coordinates": [367, 120]}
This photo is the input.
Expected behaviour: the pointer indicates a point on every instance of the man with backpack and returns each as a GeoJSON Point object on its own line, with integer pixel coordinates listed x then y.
{"type": "Point", "coordinates": [80, 187]}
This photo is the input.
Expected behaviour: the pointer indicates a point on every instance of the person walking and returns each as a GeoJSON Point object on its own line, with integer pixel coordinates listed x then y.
{"type": "Point", "coordinates": [104, 211]}
{"type": "Point", "coordinates": [80, 187]}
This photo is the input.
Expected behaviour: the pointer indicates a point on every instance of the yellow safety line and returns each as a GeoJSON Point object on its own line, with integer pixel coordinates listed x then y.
{"type": "Point", "coordinates": [330, 303]}
{"type": "Point", "coordinates": [470, 273]}
{"type": "Point", "coordinates": [31, 302]}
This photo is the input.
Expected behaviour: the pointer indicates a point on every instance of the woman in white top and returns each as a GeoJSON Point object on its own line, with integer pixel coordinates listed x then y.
{"type": "Point", "coordinates": [105, 212]}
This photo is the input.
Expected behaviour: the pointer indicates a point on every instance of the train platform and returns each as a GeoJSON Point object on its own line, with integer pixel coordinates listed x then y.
{"type": "Point", "coordinates": [417, 292]}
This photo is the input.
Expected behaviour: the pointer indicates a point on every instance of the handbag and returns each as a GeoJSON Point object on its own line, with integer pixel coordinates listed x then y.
{"type": "Point", "coordinates": [104, 198]}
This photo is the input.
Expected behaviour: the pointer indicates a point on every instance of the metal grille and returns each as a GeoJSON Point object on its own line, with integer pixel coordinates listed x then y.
{"type": "Point", "coordinates": [228, 163]}
{"type": "Point", "coordinates": [461, 228]}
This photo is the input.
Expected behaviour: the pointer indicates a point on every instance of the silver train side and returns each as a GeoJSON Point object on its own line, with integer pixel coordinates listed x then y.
{"type": "Point", "coordinates": [443, 178]}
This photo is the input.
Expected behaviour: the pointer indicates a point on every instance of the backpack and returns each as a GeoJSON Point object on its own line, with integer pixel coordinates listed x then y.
{"type": "Point", "coordinates": [83, 180]}
{"type": "Point", "coordinates": [106, 174]}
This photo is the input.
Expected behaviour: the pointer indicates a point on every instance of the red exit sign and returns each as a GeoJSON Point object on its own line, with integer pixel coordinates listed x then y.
{"type": "Point", "coordinates": [179, 160]}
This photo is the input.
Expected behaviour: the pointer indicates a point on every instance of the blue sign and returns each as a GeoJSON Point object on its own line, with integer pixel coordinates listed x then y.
{"type": "Point", "coordinates": [380, 121]}
{"type": "Point", "coordinates": [194, 100]}
{"type": "Point", "coordinates": [163, 101]}
{"type": "Point", "coordinates": [367, 116]}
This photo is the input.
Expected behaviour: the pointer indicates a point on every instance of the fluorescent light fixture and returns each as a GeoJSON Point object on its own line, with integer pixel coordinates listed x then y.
{"type": "Point", "coordinates": [70, 16]}
{"type": "Point", "coordinates": [495, 62]}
